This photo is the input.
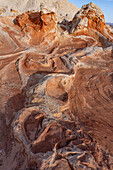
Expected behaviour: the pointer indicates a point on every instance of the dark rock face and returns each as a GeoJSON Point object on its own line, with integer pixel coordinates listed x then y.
{"type": "Point", "coordinates": [56, 91]}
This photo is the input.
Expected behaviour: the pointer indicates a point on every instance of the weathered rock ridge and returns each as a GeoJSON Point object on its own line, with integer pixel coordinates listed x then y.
{"type": "Point", "coordinates": [56, 91]}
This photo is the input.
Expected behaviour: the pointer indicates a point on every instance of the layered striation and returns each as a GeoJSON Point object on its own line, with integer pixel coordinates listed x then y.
{"type": "Point", "coordinates": [56, 91]}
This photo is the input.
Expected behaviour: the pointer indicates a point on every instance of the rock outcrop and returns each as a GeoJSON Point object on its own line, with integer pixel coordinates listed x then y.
{"type": "Point", "coordinates": [56, 91]}
{"type": "Point", "coordinates": [63, 8]}
{"type": "Point", "coordinates": [36, 26]}
{"type": "Point", "coordinates": [89, 16]}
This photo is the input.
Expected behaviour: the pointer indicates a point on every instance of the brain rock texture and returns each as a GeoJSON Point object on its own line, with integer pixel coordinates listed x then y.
{"type": "Point", "coordinates": [56, 91]}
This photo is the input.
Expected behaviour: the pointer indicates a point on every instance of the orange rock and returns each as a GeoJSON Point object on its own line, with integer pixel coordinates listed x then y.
{"type": "Point", "coordinates": [56, 91]}
{"type": "Point", "coordinates": [89, 16]}
{"type": "Point", "coordinates": [36, 25]}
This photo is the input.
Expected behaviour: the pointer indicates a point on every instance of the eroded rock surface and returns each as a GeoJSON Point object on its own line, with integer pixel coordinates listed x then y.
{"type": "Point", "coordinates": [56, 91]}
{"type": "Point", "coordinates": [63, 8]}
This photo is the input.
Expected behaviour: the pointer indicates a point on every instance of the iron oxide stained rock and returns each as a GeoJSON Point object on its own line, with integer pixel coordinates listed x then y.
{"type": "Point", "coordinates": [56, 91]}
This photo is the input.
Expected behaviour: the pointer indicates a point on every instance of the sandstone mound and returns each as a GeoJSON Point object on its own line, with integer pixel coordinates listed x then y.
{"type": "Point", "coordinates": [89, 16]}
{"type": "Point", "coordinates": [56, 91]}
{"type": "Point", "coordinates": [63, 8]}
{"type": "Point", "coordinates": [36, 26]}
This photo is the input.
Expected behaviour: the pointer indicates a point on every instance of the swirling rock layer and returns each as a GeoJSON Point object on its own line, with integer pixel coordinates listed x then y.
{"type": "Point", "coordinates": [56, 91]}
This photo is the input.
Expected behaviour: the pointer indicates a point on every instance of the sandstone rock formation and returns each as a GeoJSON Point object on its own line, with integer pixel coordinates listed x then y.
{"type": "Point", "coordinates": [63, 8]}
{"type": "Point", "coordinates": [56, 91]}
